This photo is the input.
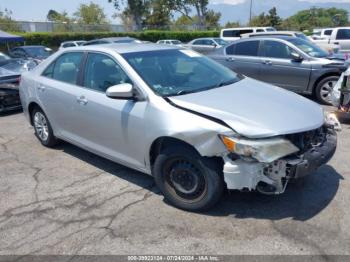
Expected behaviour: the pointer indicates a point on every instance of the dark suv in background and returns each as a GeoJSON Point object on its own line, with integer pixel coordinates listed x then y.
{"type": "Point", "coordinates": [288, 62]}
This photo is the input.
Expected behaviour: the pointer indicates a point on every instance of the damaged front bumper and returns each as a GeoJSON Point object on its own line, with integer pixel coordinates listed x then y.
{"type": "Point", "coordinates": [317, 148]}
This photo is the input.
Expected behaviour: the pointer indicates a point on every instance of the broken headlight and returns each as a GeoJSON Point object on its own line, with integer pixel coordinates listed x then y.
{"type": "Point", "coordinates": [263, 150]}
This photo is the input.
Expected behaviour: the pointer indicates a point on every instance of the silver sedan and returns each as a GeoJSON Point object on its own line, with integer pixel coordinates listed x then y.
{"type": "Point", "coordinates": [170, 112]}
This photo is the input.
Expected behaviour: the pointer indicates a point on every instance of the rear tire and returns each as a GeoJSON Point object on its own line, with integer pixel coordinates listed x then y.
{"type": "Point", "coordinates": [43, 129]}
{"type": "Point", "coordinates": [187, 180]}
{"type": "Point", "coordinates": [324, 88]}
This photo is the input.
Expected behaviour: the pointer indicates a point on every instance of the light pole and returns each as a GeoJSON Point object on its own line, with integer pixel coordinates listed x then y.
{"type": "Point", "coordinates": [250, 11]}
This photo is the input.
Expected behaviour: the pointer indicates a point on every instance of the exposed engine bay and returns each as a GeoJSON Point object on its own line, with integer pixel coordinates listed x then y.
{"type": "Point", "coordinates": [316, 148]}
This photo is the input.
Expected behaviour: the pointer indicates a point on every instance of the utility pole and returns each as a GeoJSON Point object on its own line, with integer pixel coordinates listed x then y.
{"type": "Point", "coordinates": [250, 12]}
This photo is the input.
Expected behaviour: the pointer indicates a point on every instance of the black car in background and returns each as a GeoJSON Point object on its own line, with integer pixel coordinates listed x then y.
{"type": "Point", "coordinates": [36, 52]}
{"type": "Point", "coordinates": [10, 73]}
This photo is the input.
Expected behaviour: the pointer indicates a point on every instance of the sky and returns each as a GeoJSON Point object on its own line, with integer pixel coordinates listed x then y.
{"type": "Point", "coordinates": [36, 10]}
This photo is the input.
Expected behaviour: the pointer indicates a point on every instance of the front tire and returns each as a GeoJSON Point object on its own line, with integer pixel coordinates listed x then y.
{"type": "Point", "coordinates": [187, 180]}
{"type": "Point", "coordinates": [43, 129]}
{"type": "Point", "coordinates": [324, 89]}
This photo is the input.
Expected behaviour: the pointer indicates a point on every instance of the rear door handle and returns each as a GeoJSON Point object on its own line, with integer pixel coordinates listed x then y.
{"type": "Point", "coordinates": [230, 59]}
{"type": "Point", "coordinates": [82, 100]}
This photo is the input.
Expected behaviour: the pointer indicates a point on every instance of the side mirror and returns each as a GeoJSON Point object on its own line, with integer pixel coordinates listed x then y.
{"type": "Point", "coordinates": [121, 91]}
{"type": "Point", "coordinates": [296, 57]}
{"type": "Point", "coordinates": [214, 45]}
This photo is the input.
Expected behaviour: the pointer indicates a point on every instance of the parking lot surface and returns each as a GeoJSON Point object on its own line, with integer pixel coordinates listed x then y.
{"type": "Point", "coordinates": [69, 201]}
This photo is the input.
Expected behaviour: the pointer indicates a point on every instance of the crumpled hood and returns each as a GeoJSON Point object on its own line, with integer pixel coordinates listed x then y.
{"type": "Point", "coordinates": [255, 109]}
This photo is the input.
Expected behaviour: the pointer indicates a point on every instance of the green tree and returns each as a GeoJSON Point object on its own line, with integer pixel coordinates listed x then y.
{"type": "Point", "coordinates": [232, 24]}
{"type": "Point", "coordinates": [55, 16]}
{"type": "Point", "coordinates": [136, 10]}
{"type": "Point", "coordinates": [90, 14]}
{"type": "Point", "coordinates": [7, 23]}
{"type": "Point", "coordinates": [316, 17]}
{"type": "Point", "coordinates": [159, 13]}
{"type": "Point", "coordinates": [269, 19]}
{"type": "Point", "coordinates": [212, 19]}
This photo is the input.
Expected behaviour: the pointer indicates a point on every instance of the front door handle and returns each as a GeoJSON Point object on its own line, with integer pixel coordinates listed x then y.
{"type": "Point", "coordinates": [41, 88]}
{"type": "Point", "coordinates": [230, 59]}
{"type": "Point", "coordinates": [267, 62]}
{"type": "Point", "coordinates": [82, 100]}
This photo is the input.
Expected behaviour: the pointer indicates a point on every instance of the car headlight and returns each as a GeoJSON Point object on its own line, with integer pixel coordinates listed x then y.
{"type": "Point", "coordinates": [263, 150]}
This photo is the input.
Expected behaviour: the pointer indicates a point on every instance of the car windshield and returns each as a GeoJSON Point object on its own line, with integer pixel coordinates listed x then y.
{"type": "Point", "coordinates": [39, 51]}
{"type": "Point", "coordinates": [308, 47]}
{"type": "Point", "coordinates": [179, 72]}
{"type": "Point", "coordinates": [176, 42]}
{"type": "Point", "coordinates": [220, 41]}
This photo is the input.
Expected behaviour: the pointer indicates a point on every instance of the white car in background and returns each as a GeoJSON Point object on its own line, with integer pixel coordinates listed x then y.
{"type": "Point", "coordinates": [170, 42]}
{"type": "Point", "coordinates": [321, 33]}
{"type": "Point", "coordinates": [72, 44]}
{"type": "Point", "coordinates": [232, 34]}
{"type": "Point", "coordinates": [339, 36]}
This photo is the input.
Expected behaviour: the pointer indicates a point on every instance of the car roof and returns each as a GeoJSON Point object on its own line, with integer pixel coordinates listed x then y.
{"type": "Point", "coordinates": [281, 37]}
{"type": "Point", "coordinates": [115, 38]}
{"type": "Point", "coordinates": [124, 48]}
{"type": "Point", "coordinates": [28, 46]}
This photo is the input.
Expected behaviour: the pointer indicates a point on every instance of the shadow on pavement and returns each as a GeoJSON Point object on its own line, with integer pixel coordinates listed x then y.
{"type": "Point", "coordinates": [120, 171]}
{"type": "Point", "coordinates": [302, 200]}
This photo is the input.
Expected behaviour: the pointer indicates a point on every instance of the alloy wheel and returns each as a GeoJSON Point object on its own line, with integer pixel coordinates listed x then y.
{"type": "Point", "coordinates": [41, 127]}
{"type": "Point", "coordinates": [327, 89]}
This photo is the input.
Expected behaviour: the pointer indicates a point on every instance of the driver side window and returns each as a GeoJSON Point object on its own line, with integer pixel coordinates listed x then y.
{"type": "Point", "coordinates": [102, 72]}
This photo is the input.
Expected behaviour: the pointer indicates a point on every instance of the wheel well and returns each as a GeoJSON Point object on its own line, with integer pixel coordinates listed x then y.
{"type": "Point", "coordinates": [162, 142]}
{"type": "Point", "coordinates": [31, 107]}
{"type": "Point", "coordinates": [323, 77]}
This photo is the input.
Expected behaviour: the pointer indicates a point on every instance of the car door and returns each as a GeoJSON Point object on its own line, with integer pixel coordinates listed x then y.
{"type": "Point", "coordinates": [242, 57]}
{"type": "Point", "coordinates": [58, 91]}
{"type": "Point", "coordinates": [279, 68]}
{"type": "Point", "coordinates": [343, 39]}
{"type": "Point", "coordinates": [104, 125]}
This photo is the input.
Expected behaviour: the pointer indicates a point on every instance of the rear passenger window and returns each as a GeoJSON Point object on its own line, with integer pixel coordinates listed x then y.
{"type": "Point", "coordinates": [65, 68]}
{"type": "Point", "coordinates": [249, 48]}
{"type": "Point", "coordinates": [328, 32]}
{"type": "Point", "coordinates": [230, 33]}
{"type": "Point", "coordinates": [198, 42]}
{"type": "Point", "coordinates": [102, 72]}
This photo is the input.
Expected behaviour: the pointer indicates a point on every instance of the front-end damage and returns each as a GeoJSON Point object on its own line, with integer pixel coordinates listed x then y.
{"type": "Point", "coordinates": [270, 175]}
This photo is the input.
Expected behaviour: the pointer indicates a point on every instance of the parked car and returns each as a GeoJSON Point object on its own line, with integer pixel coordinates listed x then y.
{"type": "Point", "coordinates": [339, 36]}
{"type": "Point", "coordinates": [288, 62]}
{"type": "Point", "coordinates": [232, 34]}
{"type": "Point", "coordinates": [321, 33]}
{"type": "Point", "coordinates": [193, 124]}
{"type": "Point", "coordinates": [111, 40]}
{"type": "Point", "coordinates": [72, 44]}
{"type": "Point", "coordinates": [330, 48]}
{"type": "Point", "coordinates": [278, 33]}
{"type": "Point", "coordinates": [35, 52]}
{"type": "Point", "coordinates": [170, 42]}
{"type": "Point", "coordinates": [206, 45]}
